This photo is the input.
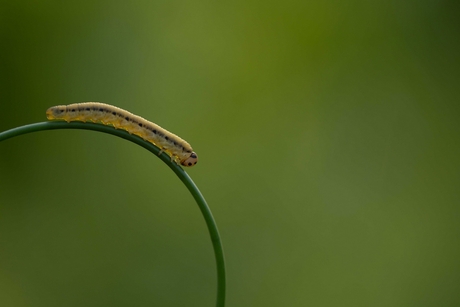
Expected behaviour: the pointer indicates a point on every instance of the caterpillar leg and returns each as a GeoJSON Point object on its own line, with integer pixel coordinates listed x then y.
{"type": "Point", "coordinates": [175, 159]}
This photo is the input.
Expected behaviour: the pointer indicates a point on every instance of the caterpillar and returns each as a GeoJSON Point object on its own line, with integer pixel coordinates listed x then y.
{"type": "Point", "coordinates": [179, 150]}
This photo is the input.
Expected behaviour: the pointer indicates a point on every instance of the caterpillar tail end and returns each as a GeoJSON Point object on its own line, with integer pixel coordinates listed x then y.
{"type": "Point", "coordinates": [49, 114]}
{"type": "Point", "coordinates": [57, 112]}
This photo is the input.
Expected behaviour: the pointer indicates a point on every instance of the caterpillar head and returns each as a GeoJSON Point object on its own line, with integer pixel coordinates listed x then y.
{"type": "Point", "coordinates": [55, 112]}
{"type": "Point", "coordinates": [190, 161]}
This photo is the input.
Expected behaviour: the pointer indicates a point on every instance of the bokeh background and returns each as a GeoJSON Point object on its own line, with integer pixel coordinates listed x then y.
{"type": "Point", "coordinates": [328, 137]}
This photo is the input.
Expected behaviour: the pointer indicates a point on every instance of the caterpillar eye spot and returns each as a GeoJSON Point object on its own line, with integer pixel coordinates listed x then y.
{"type": "Point", "coordinates": [102, 113]}
{"type": "Point", "coordinates": [191, 160]}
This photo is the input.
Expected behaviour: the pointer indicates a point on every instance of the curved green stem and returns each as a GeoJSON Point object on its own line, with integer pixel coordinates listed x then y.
{"type": "Point", "coordinates": [183, 176]}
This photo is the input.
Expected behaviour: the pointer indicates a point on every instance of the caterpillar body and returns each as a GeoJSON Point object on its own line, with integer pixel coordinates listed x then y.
{"type": "Point", "coordinates": [179, 150]}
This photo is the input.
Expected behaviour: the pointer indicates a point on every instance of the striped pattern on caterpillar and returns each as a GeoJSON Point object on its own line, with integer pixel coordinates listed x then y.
{"type": "Point", "coordinates": [180, 151]}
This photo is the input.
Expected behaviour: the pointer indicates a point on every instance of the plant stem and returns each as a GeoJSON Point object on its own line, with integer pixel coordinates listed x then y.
{"type": "Point", "coordinates": [183, 176]}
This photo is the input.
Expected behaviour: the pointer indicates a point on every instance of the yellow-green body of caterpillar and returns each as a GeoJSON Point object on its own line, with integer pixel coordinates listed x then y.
{"type": "Point", "coordinates": [179, 150]}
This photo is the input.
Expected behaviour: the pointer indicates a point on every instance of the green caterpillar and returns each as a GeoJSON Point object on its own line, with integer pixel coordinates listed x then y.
{"type": "Point", "coordinates": [180, 151]}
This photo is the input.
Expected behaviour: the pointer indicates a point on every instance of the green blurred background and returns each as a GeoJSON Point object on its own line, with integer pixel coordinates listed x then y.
{"type": "Point", "coordinates": [328, 137]}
